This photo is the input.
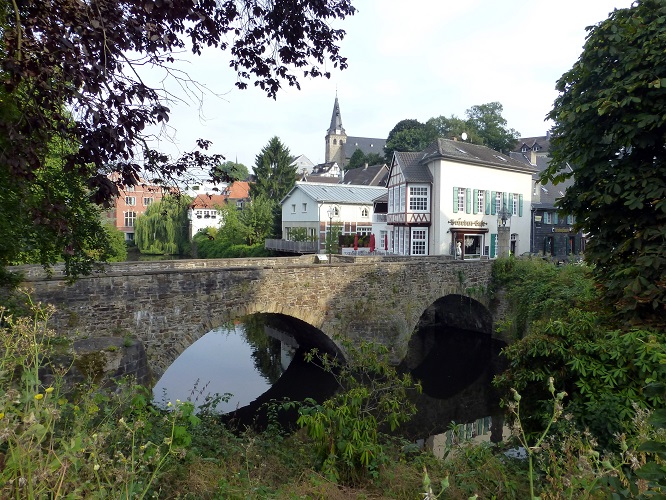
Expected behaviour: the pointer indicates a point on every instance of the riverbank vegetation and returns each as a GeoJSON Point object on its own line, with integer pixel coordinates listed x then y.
{"type": "Point", "coordinates": [586, 396]}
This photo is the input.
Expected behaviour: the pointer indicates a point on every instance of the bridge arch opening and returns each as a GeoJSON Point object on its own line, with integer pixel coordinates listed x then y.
{"type": "Point", "coordinates": [258, 358]}
{"type": "Point", "coordinates": [453, 340]}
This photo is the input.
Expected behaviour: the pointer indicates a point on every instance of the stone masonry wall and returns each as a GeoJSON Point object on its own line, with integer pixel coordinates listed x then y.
{"type": "Point", "coordinates": [170, 305]}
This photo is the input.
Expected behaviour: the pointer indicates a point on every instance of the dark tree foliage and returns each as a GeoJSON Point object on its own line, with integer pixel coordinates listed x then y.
{"type": "Point", "coordinates": [487, 122]}
{"type": "Point", "coordinates": [448, 128]}
{"type": "Point", "coordinates": [69, 69]}
{"type": "Point", "coordinates": [232, 170]}
{"type": "Point", "coordinates": [610, 127]}
{"type": "Point", "coordinates": [408, 135]}
{"type": "Point", "coordinates": [274, 172]}
{"type": "Point", "coordinates": [360, 159]}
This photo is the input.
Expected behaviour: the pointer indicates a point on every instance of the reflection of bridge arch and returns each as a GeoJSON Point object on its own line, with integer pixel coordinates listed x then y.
{"type": "Point", "coordinates": [171, 304]}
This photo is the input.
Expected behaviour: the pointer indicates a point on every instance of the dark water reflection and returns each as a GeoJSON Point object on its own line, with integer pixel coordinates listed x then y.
{"type": "Point", "coordinates": [260, 360]}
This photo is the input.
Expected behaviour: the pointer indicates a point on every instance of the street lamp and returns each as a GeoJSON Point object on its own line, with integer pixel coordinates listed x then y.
{"type": "Point", "coordinates": [503, 217]}
{"type": "Point", "coordinates": [331, 213]}
{"type": "Point", "coordinates": [503, 231]}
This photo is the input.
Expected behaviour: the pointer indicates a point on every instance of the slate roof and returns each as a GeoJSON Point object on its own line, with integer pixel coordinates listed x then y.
{"type": "Point", "coordinates": [365, 144]}
{"type": "Point", "coordinates": [336, 119]}
{"type": "Point", "coordinates": [375, 175]}
{"type": "Point", "coordinates": [318, 178]}
{"type": "Point", "coordinates": [542, 142]}
{"type": "Point", "coordinates": [549, 192]}
{"type": "Point", "coordinates": [411, 168]}
{"type": "Point", "coordinates": [414, 166]}
{"type": "Point", "coordinates": [323, 168]}
{"type": "Point", "coordinates": [338, 193]}
{"type": "Point", "coordinates": [473, 153]}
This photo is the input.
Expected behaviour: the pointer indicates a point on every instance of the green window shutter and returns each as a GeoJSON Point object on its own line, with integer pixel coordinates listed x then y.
{"type": "Point", "coordinates": [493, 203]}
{"type": "Point", "coordinates": [475, 201]}
{"type": "Point", "coordinates": [487, 195]}
{"type": "Point", "coordinates": [555, 218]}
{"type": "Point", "coordinates": [493, 245]}
{"type": "Point", "coordinates": [468, 200]}
{"type": "Point", "coordinates": [520, 205]}
{"type": "Point", "coordinates": [455, 200]}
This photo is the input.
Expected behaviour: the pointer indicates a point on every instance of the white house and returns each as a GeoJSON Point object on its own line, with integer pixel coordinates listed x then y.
{"type": "Point", "coordinates": [452, 192]}
{"type": "Point", "coordinates": [317, 207]}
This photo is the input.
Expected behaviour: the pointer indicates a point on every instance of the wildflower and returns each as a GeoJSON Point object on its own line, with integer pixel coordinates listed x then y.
{"type": "Point", "coordinates": [39, 396]}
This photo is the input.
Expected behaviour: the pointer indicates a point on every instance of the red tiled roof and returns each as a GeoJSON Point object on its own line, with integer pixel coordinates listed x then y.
{"type": "Point", "coordinates": [238, 190]}
{"type": "Point", "coordinates": [208, 201]}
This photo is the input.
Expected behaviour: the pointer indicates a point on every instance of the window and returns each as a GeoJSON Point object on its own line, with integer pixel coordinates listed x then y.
{"type": "Point", "coordinates": [293, 208]}
{"type": "Point", "coordinates": [547, 218]}
{"type": "Point", "coordinates": [130, 200]}
{"type": "Point", "coordinates": [461, 199]}
{"type": "Point", "coordinates": [419, 237]}
{"type": "Point", "coordinates": [130, 217]}
{"type": "Point", "coordinates": [514, 204]}
{"type": "Point", "coordinates": [147, 201]}
{"type": "Point", "coordinates": [418, 198]}
{"type": "Point", "coordinates": [304, 207]}
{"type": "Point", "coordinates": [364, 212]}
{"type": "Point", "coordinates": [498, 201]}
{"type": "Point", "coordinates": [480, 201]}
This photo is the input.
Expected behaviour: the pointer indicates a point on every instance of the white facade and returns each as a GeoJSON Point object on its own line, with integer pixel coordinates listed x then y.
{"type": "Point", "coordinates": [307, 206]}
{"type": "Point", "coordinates": [486, 191]}
{"type": "Point", "coordinates": [446, 201]}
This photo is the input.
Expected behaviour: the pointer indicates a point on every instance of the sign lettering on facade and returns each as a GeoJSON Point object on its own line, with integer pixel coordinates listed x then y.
{"type": "Point", "coordinates": [468, 223]}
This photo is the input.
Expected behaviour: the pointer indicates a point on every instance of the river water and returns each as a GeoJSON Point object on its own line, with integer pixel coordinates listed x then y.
{"type": "Point", "coordinates": [258, 360]}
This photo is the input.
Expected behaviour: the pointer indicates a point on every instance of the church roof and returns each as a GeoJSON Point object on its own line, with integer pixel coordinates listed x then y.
{"type": "Point", "coordinates": [336, 120]}
{"type": "Point", "coordinates": [365, 144]}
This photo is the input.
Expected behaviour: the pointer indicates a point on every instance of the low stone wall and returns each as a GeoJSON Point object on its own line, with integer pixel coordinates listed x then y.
{"type": "Point", "coordinates": [104, 361]}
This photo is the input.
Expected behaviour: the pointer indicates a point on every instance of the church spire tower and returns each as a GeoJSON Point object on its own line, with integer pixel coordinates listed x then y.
{"type": "Point", "coordinates": [336, 137]}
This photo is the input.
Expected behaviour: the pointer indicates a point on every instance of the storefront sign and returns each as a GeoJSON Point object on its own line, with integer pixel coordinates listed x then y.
{"type": "Point", "coordinates": [467, 223]}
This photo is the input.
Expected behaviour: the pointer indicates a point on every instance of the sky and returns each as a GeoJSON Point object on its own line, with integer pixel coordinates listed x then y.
{"type": "Point", "coordinates": [418, 59]}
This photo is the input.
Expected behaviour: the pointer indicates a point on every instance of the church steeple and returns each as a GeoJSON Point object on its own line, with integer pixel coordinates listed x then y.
{"type": "Point", "coordinates": [336, 120]}
{"type": "Point", "coordinates": [336, 137]}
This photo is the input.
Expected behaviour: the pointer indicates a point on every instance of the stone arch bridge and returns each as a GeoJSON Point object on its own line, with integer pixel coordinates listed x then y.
{"type": "Point", "coordinates": [168, 305]}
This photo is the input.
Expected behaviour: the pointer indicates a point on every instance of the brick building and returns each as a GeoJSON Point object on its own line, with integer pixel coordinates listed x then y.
{"type": "Point", "coordinates": [132, 202]}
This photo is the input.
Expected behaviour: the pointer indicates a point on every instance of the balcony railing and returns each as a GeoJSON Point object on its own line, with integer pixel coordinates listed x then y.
{"type": "Point", "coordinates": [292, 246]}
{"type": "Point", "coordinates": [409, 218]}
